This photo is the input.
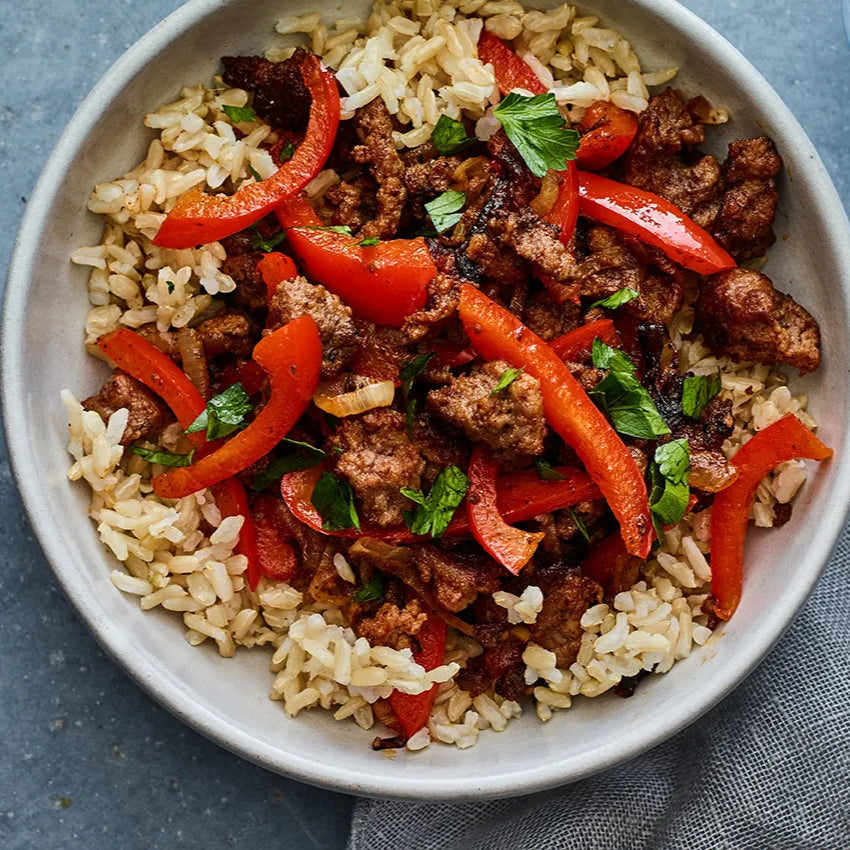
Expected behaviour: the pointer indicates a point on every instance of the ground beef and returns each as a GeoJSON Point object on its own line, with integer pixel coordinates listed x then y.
{"type": "Point", "coordinates": [440, 446]}
{"type": "Point", "coordinates": [661, 158]}
{"type": "Point", "coordinates": [250, 293]}
{"type": "Point", "coordinates": [456, 578]}
{"type": "Point", "coordinates": [496, 260]}
{"type": "Point", "coordinates": [431, 177]}
{"type": "Point", "coordinates": [511, 421]}
{"type": "Point", "coordinates": [744, 317]}
{"type": "Point", "coordinates": [148, 415]}
{"type": "Point", "coordinates": [390, 625]}
{"type": "Point", "coordinates": [547, 318]}
{"type": "Point", "coordinates": [165, 341]}
{"type": "Point", "coordinates": [378, 459]}
{"type": "Point", "coordinates": [567, 594]}
{"type": "Point", "coordinates": [280, 96]}
{"type": "Point", "coordinates": [297, 297]}
{"type": "Point", "coordinates": [744, 222]}
{"type": "Point", "coordinates": [377, 150]}
{"type": "Point", "coordinates": [228, 331]}
{"type": "Point", "coordinates": [500, 667]}
{"type": "Point", "coordinates": [354, 201]}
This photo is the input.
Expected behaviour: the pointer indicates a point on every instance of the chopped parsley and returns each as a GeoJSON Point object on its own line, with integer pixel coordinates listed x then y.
{"type": "Point", "coordinates": [623, 398]}
{"type": "Point", "coordinates": [254, 173]}
{"type": "Point", "coordinates": [260, 243]}
{"type": "Point", "coordinates": [449, 136]}
{"type": "Point", "coordinates": [670, 494]}
{"type": "Point", "coordinates": [368, 242]}
{"type": "Point", "coordinates": [298, 455]}
{"type": "Point", "coordinates": [445, 210]}
{"type": "Point", "coordinates": [506, 379]}
{"type": "Point", "coordinates": [287, 151]}
{"type": "Point", "coordinates": [579, 524]}
{"type": "Point", "coordinates": [616, 299]}
{"type": "Point", "coordinates": [434, 512]}
{"type": "Point", "coordinates": [539, 132]}
{"type": "Point", "coordinates": [237, 114]}
{"type": "Point", "coordinates": [161, 457]}
{"type": "Point", "coordinates": [548, 472]}
{"type": "Point", "coordinates": [697, 392]}
{"type": "Point", "coordinates": [169, 285]}
{"type": "Point", "coordinates": [224, 414]}
{"type": "Point", "coordinates": [408, 374]}
{"type": "Point", "coordinates": [372, 591]}
{"type": "Point", "coordinates": [333, 498]}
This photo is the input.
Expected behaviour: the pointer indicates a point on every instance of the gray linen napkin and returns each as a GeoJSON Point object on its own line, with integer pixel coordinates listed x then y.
{"type": "Point", "coordinates": [767, 768]}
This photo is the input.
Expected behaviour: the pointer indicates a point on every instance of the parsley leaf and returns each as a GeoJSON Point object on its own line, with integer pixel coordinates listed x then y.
{"type": "Point", "coordinates": [169, 285]}
{"type": "Point", "coordinates": [449, 136]}
{"type": "Point", "coordinates": [372, 591]}
{"type": "Point", "coordinates": [254, 173]}
{"type": "Point", "coordinates": [506, 379]}
{"type": "Point", "coordinates": [539, 132]}
{"type": "Point", "coordinates": [408, 374]}
{"type": "Point", "coordinates": [224, 414]}
{"type": "Point", "coordinates": [328, 228]}
{"type": "Point", "coordinates": [164, 458]}
{"type": "Point", "coordinates": [548, 472]}
{"type": "Point", "coordinates": [239, 113]}
{"type": "Point", "coordinates": [627, 404]}
{"type": "Point", "coordinates": [260, 243]}
{"type": "Point", "coordinates": [616, 299]}
{"type": "Point", "coordinates": [434, 512]}
{"type": "Point", "coordinates": [670, 494]}
{"type": "Point", "coordinates": [300, 456]}
{"type": "Point", "coordinates": [333, 498]}
{"type": "Point", "coordinates": [287, 151]}
{"type": "Point", "coordinates": [368, 242]}
{"type": "Point", "coordinates": [579, 524]}
{"type": "Point", "coordinates": [445, 210]}
{"type": "Point", "coordinates": [606, 357]}
{"type": "Point", "coordinates": [697, 392]}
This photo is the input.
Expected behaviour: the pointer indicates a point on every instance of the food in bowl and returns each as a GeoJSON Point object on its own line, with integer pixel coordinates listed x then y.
{"type": "Point", "coordinates": [464, 378]}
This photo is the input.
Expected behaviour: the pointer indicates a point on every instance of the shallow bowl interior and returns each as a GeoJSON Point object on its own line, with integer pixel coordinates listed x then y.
{"type": "Point", "coordinates": [227, 699]}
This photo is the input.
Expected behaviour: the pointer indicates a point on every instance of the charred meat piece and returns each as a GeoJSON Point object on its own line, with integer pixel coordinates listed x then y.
{"type": "Point", "coordinates": [744, 223]}
{"type": "Point", "coordinates": [744, 317]}
{"type": "Point", "coordinates": [549, 319]}
{"type": "Point", "coordinates": [567, 594]}
{"type": "Point", "coordinates": [228, 332]}
{"type": "Point", "coordinates": [509, 421]}
{"type": "Point", "coordinates": [354, 201]}
{"type": "Point", "coordinates": [456, 578]}
{"type": "Point", "coordinates": [392, 623]}
{"type": "Point", "coordinates": [440, 446]}
{"type": "Point", "coordinates": [297, 297]}
{"type": "Point", "coordinates": [250, 292]}
{"type": "Point", "coordinates": [377, 150]}
{"type": "Point", "coordinates": [662, 160]}
{"type": "Point", "coordinates": [500, 667]}
{"type": "Point", "coordinates": [148, 415]}
{"type": "Point", "coordinates": [496, 260]}
{"type": "Point", "coordinates": [280, 96]}
{"type": "Point", "coordinates": [378, 459]}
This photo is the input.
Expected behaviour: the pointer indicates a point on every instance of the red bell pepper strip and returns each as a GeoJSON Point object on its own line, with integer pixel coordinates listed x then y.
{"type": "Point", "coordinates": [652, 219]}
{"type": "Point", "coordinates": [146, 363]}
{"type": "Point", "coordinates": [198, 218]}
{"type": "Point", "coordinates": [276, 268]}
{"type": "Point", "coordinates": [497, 333]}
{"type": "Point", "coordinates": [275, 554]}
{"type": "Point", "coordinates": [384, 283]}
{"type": "Point", "coordinates": [574, 344]}
{"type": "Point", "coordinates": [291, 356]}
{"type": "Point", "coordinates": [564, 214]}
{"type": "Point", "coordinates": [245, 372]}
{"type": "Point", "coordinates": [600, 563]}
{"type": "Point", "coordinates": [232, 500]}
{"type": "Point", "coordinates": [413, 710]}
{"type": "Point", "coordinates": [607, 131]}
{"type": "Point", "coordinates": [511, 72]}
{"type": "Point", "coordinates": [520, 496]}
{"type": "Point", "coordinates": [512, 547]}
{"type": "Point", "coordinates": [785, 439]}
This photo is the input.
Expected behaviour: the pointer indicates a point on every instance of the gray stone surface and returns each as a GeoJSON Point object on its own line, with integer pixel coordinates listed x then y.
{"type": "Point", "coordinates": [86, 758]}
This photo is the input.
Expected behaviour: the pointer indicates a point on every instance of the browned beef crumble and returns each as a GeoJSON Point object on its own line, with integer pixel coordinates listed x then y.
{"type": "Point", "coordinates": [228, 331]}
{"type": "Point", "coordinates": [250, 292]}
{"type": "Point", "coordinates": [297, 297]}
{"type": "Point", "coordinates": [509, 421]}
{"type": "Point", "coordinates": [148, 414]}
{"type": "Point", "coordinates": [744, 317]}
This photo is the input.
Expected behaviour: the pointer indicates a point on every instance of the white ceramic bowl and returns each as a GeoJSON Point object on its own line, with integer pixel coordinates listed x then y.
{"type": "Point", "coordinates": [226, 700]}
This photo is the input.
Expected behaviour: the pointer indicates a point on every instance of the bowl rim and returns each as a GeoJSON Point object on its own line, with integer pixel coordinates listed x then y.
{"type": "Point", "coordinates": [212, 725]}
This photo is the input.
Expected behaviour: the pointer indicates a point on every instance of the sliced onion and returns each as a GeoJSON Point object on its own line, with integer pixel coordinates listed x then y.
{"type": "Point", "coordinates": [549, 188]}
{"type": "Point", "coordinates": [364, 398]}
{"type": "Point", "coordinates": [193, 359]}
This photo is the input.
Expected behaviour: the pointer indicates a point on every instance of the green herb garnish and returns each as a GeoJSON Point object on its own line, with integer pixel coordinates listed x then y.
{"type": "Point", "coordinates": [616, 299]}
{"type": "Point", "coordinates": [298, 456]}
{"type": "Point", "coordinates": [260, 243]}
{"type": "Point", "coordinates": [670, 494]}
{"type": "Point", "coordinates": [445, 210]}
{"type": "Point", "coordinates": [169, 285]}
{"type": "Point", "coordinates": [434, 512]}
{"type": "Point", "coordinates": [237, 114]}
{"type": "Point", "coordinates": [372, 591]}
{"type": "Point", "coordinates": [408, 374]}
{"type": "Point", "coordinates": [368, 242]}
{"type": "Point", "coordinates": [254, 173]}
{"type": "Point", "coordinates": [579, 524]}
{"type": "Point", "coordinates": [548, 472]}
{"type": "Point", "coordinates": [287, 151]}
{"type": "Point", "coordinates": [333, 498]}
{"type": "Point", "coordinates": [224, 413]}
{"type": "Point", "coordinates": [539, 132]}
{"type": "Point", "coordinates": [606, 357]}
{"type": "Point", "coordinates": [163, 458]}
{"type": "Point", "coordinates": [697, 392]}
{"type": "Point", "coordinates": [449, 136]}
{"type": "Point", "coordinates": [506, 379]}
